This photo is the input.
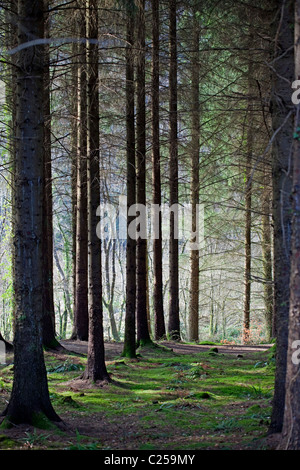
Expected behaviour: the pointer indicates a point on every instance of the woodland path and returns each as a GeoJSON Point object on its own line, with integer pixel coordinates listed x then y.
{"type": "Point", "coordinates": [113, 349]}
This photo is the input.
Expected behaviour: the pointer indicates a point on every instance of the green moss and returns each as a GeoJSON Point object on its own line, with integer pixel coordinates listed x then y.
{"type": "Point", "coordinates": [145, 343]}
{"type": "Point", "coordinates": [68, 401]}
{"type": "Point", "coordinates": [6, 424]}
{"type": "Point", "coordinates": [40, 421]}
{"type": "Point", "coordinates": [6, 443]}
{"type": "Point", "coordinates": [162, 391]}
{"type": "Point", "coordinates": [129, 352]}
{"type": "Point", "coordinates": [204, 395]}
{"type": "Point", "coordinates": [152, 348]}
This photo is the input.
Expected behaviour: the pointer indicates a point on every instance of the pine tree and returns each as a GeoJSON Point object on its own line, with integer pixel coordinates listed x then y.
{"type": "Point", "coordinates": [80, 327]}
{"type": "Point", "coordinates": [49, 337]}
{"type": "Point", "coordinates": [193, 332]}
{"type": "Point", "coordinates": [291, 422]}
{"type": "Point", "coordinates": [174, 321]}
{"type": "Point", "coordinates": [282, 124]}
{"type": "Point", "coordinates": [129, 349]}
{"type": "Point", "coordinates": [96, 368]}
{"type": "Point", "coordinates": [143, 336]}
{"type": "Point", "coordinates": [159, 320]}
{"type": "Point", "coordinates": [29, 402]}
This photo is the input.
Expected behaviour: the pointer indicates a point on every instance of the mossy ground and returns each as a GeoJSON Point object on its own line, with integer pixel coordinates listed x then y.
{"type": "Point", "coordinates": [159, 401]}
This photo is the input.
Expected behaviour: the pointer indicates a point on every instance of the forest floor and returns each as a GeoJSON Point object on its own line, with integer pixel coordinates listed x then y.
{"type": "Point", "coordinates": [113, 349]}
{"type": "Point", "coordinates": [173, 397]}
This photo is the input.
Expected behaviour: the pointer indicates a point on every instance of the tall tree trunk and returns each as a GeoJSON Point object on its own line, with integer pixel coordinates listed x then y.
{"type": "Point", "coordinates": [96, 368]}
{"type": "Point", "coordinates": [29, 402]}
{"type": "Point", "coordinates": [159, 320]}
{"type": "Point", "coordinates": [247, 298]}
{"type": "Point", "coordinates": [291, 423]}
{"type": "Point", "coordinates": [80, 328]}
{"type": "Point", "coordinates": [129, 349]}
{"type": "Point", "coordinates": [48, 323]}
{"type": "Point", "coordinates": [193, 319]}
{"type": "Point", "coordinates": [282, 122]}
{"type": "Point", "coordinates": [248, 192]}
{"type": "Point", "coordinates": [74, 147]}
{"type": "Point", "coordinates": [267, 252]}
{"type": "Point", "coordinates": [143, 336]}
{"type": "Point", "coordinates": [174, 321]}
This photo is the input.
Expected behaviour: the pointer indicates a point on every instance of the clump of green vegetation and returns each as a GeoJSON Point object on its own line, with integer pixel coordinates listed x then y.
{"type": "Point", "coordinates": [196, 371]}
{"type": "Point", "coordinates": [68, 400]}
{"type": "Point", "coordinates": [228, 425]}
{"type": "Point", "coordinates": [80, 445]}
{"type": "Point", "coordinates": [66, 366]}
{"type": "Point", "coordinates": [34, 438]}
{"type": "Point", "coordinates": [7, 443]}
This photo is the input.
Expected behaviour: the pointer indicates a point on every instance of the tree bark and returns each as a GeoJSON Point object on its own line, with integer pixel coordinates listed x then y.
{"type": "Point", "coordinates": [193, 330]}
{"type": "Point", "coordinates": [80, 328]}
{"type": "Point", "coordinates": [29, 401]}
{"type": "Point", "coordinates": [282, 122]}
{"type": "Point", "coordinates": [248, 191]}
{"type": "Point", "coordinates": [143, 336]}
{"type": "Point", "coordinates": [129, 349]}
{"type": "Point", "coordinates": [247, 298]}
{"type": "Point", "coordinates": [291, 422]}
{"type": "Point", "coordinates": [159, 320]}
{"type": "Point", "coordinates": [174, 321]}
{"type": "Point", "coordinates": [96, 368]}
{"type": "Point", "coordinates": [267, 252]}
{"type": "Point", "coordinates": [48, 323]}
{"type": "Point", "coordinates": [74, 147]}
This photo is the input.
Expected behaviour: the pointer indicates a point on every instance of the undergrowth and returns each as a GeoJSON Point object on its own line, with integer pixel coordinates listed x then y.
{"type": "Point", "coordinates": [161, 400]}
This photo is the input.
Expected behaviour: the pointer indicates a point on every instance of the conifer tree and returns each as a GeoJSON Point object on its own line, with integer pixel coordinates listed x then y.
{"type": "Point", "coordinates": [30, 401]}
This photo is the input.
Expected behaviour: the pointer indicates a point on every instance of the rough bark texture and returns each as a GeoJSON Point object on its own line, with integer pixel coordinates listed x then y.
{"type": "Point", "coordinates": [282, 122]}
{"type": "Point", "coordinates": [267, 253]}
{"type": "Point", "coordinates": [291, 423]}
{"type": "Point", "coordinates": [247, 297]}
{"type": "Point", "coordinates": [96, 368]}
{"type": "Point", "coordinates": [29, 402]}
{"type": "Point", "coordinates": [159, 320]}
{"type": "Point", "coordinates": [141, 301]}
{"type": "Point", "coordinates": [193, 330]}
{"type": "Point", "coordinates": [49, 339]}
{"type": "Point", "coordinates": [129, 349]}
{"type": "Point", "coordinates": [248, 190]}
{"type": "Point", "coordinates": [174, 321]}
{"type": "Point", "coordinates": [80, 329]}
{"type": "Point", "coordinates": [74, 146]}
